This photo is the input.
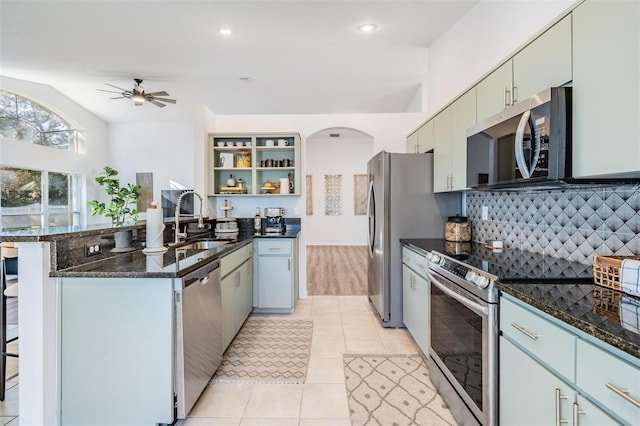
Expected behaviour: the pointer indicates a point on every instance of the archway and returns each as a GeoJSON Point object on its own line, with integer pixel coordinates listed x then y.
{"type": "Point", "coordinates": [336, 221]}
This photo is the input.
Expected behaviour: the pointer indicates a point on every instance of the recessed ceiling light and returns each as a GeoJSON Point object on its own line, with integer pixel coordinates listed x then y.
{"type": "Point", "coordinates": [367, 28]}
{"type": "Point", "coordinates": [226, 31]}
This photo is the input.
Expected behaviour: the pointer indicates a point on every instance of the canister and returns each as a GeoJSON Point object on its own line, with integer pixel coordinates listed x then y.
{"type": "Point", "coordinates": [457, 229]}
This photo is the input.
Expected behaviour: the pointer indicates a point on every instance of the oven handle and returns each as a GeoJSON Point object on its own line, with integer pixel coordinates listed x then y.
{"type": "Point", "coordinates": [475, 307]}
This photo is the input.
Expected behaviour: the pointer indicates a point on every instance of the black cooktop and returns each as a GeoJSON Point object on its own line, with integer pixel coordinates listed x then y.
{"type": "Point", "coordinates": [510, 265]}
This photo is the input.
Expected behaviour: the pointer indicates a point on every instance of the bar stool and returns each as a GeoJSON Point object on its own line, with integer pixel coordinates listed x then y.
{"type": "Point", "coordinates": [7, 290]}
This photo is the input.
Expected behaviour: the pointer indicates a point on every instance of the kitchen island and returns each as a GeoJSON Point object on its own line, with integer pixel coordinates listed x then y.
{"type": "Point", "coordinates": [46, 258]}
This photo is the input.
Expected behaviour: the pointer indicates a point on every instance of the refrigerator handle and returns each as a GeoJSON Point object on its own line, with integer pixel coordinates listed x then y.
{"type": "Point", "coordinates": [370, 216]}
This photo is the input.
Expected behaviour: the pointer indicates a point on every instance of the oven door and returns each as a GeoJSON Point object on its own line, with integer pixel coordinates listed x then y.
{"type": "Point", "coordinates": [463, 344]}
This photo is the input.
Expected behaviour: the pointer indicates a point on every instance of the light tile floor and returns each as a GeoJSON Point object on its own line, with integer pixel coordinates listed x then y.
{"type": "Point", "coordinates": [341, 324]}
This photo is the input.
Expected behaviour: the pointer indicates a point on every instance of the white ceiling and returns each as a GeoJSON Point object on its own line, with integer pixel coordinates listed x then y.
{"type": "Point", "coordinates": [300, 56]}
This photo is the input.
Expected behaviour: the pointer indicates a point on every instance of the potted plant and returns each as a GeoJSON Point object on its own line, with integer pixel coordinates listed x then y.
{"type": "Point", "coordinates": [119, 208]}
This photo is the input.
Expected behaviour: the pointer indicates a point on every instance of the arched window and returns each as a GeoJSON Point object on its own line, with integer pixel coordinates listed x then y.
{"type": "Point", "coordinates": [24, 120]}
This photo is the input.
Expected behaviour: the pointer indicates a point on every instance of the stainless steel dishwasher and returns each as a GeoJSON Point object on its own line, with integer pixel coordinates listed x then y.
{"type": "Point", "coordinates": [198, 333]}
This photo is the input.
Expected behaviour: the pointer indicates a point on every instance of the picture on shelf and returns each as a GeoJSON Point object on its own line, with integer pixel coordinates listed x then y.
{"type": "Point", "coordinates": [226, 159]}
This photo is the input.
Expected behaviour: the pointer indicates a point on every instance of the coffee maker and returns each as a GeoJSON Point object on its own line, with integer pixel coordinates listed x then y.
{"type": "Point", "coordinates": [275, 220]}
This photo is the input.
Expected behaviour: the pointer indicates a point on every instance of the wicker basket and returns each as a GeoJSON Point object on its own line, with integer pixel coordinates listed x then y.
{"type": "Point", "coordinates": [606, 270]}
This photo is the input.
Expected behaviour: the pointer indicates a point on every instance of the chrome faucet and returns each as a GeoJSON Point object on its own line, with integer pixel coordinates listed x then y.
{"type": "Point", "coordinates": [178, 234]}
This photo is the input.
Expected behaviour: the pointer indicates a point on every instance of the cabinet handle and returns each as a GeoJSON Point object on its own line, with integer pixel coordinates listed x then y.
{"type": "Point", "coordinates": [413, 282]}
{"type": "Point", "coordinates": [624, 393]}
{"type": "Point", "coordinates": [289, 264]}
{"type": "Point", "coordinates": [576, 412]}
{"type": "Point", "coordinates": [559, 397]}
{"type": "Point", "coordinates": [524, 331]}
{"type": "Point", "coordinates": [451, 182]}
{"type": "Point", "coordinates": [274, 248]}
{"type": "Point", "coordinates": [514, 93]}
{"type": "Point", "coordinates": [507, 98]}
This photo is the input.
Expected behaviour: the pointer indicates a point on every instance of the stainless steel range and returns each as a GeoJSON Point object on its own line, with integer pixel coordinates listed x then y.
{"type": "Point", "coordinates": [463, 349]}
{"type": "Point", "coordinates": [464, 333]}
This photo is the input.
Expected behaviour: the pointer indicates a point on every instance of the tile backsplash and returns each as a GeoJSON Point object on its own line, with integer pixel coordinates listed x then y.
{"type": "Point", "coordinates": [572, 224]}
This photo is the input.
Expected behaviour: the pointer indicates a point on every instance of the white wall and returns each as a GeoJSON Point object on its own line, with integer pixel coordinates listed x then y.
{"type": "Point", "coordinates": [338, 156]}
{"type": "Point", "coordinates": [86, 163]}
{"type": "Point", "coordinates": [482, 39]}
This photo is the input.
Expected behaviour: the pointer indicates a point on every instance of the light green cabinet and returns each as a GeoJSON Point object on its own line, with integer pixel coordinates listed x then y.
{"type": "Point", "coordinates": [545, 62]}
{"type": "Point", "coordinates": [606, 87]}
{"type": "Point", "coordinates": [415, 312]}
{"type": "Point", "coordinates": [450, 143]}
{"type": "Point", "coordinates": [237, 291]}
{"type": "Point", "coordinates": [569, 376]}
{"type": "Point", "coordinates": [529, 393]}
{"type": "Point", "coordinates": [421, 140]}
{"type": "Point", "coordinates": [275, 284]}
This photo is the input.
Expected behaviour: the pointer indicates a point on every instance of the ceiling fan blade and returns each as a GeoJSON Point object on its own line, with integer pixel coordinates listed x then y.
{"type": "Point", "coordinates": [119, 97]}
{"type": "Point", "coordinates": [119, 88]}
{"type": "Point", "coordinates": [171, 101]}
{"type": "Point", "coordinates": [110, 91]}
{"type": "Point", "coordinates": [157, 103]}
{"type": "Point", "coordinates": [163, 93]}
{"type": "Point", "coordinates": [139, 103]}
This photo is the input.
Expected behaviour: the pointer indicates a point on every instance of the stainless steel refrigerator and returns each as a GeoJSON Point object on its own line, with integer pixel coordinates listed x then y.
{"type": "Point", "coordinates": [401, 204]}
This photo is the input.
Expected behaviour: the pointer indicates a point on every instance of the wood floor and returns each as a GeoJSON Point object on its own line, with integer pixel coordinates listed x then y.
{"type": "Point", "coordinates": [337, 270]}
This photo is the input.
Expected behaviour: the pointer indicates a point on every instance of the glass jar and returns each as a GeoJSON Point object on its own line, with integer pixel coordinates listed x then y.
{"type": "Point", "coordinates": [243, 159]}
{"type": "Point", "coordinates": [457, 229]}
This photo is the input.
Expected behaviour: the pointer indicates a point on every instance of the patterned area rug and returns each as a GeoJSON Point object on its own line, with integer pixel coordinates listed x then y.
{"type": "Point", "coordinates": [393, 390]}
{"type": "Point", "coordinates": [268, 350]}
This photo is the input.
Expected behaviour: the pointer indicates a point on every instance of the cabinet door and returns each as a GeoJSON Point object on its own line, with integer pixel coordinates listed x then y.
{"type": "Point", "coordinates": [244, 293]}
{"type": "Point", "coordinates": [546, 62]}
{"type": "Point", "coordinates": [590, 415]}
{"type": "Point", "coordinates": [228, 308]}
{"type": "Point", "coordinates": [491, 91]}
{"type": "Point", "coordinates": [408, 307]}
{"type": "Point", "coordinates": [425, 137]}
{"type": "Point", "coordinates": [275, 282]}
{"type": "Point", "coordinates": [412, 143]}
{"type": "Point", "coordinates": [529, 393]}
{"type": "Point", "coordinates": [442, 151]}
{"type": "Point", "coordinates": [463, 116]}
{"type": "Point", "coordinates": [606, 104]}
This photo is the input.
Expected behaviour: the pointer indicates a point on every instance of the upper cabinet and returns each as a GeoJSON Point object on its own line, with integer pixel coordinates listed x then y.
{"type": "Point", "coordinates": [606, 88]}
{"type": "Point", "coordinates": [256, 163]}
{"type": "Point", "coordinates": [543, 63]}
{"type": "Point", "coordinates": [450, 143]}
{"type": "Point", "coordinates": [422, 139]}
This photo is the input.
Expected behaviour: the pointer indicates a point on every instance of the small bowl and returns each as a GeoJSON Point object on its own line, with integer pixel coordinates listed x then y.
{"type": "Point", "coordinates": [247, 144]}
{"type": "Point", "coordinates": [219, 143]}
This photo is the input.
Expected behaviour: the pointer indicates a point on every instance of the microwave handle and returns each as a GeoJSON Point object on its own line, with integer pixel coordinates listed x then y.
{"type": "Point", "coordinates": [525, 170]}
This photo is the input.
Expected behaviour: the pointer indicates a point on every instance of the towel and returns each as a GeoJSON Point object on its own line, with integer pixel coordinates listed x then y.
{"type": "Point", "coordinates": [630, 314]}
{"type": "Point", "coordinates": [630, 276]}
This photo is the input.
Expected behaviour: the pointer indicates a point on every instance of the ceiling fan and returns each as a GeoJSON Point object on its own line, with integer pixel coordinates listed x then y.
{"type": "Point", "coordinates": [139, 96]}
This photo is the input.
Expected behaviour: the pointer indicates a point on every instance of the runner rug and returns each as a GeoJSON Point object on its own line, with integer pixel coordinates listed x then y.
{"type": "Point", "coordinates": [392, 390]}
{"type": "Point", "coordinates": [268, 350]}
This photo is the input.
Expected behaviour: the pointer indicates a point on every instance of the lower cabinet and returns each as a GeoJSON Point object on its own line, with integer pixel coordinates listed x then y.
{"type": "Point", "coordinates": [275, 284]}
{"type": "Point", "coordinates": [415, 312]}
{"type": "Point", "coordinates": [585, 382]}
{"type": "Point", "coordinates": [415, 297]}
{"type": "Point", "coordinates": [237, 291]}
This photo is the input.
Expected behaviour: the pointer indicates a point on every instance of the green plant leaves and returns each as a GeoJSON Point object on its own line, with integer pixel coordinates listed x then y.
{"type": "Point", "coordinates": [119, 209]}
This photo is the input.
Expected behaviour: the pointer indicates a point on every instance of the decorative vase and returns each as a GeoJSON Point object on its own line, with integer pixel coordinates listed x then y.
{"type": "Point", "coordinates": [123, 241]}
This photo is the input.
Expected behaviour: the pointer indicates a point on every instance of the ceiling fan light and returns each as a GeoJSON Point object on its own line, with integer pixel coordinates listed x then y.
{"type": "Point", "coordinates": [138, 98]}
{"type": "Point", "coordinates": [367, 27]}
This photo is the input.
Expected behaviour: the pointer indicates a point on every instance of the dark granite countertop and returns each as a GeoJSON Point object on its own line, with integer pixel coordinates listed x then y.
{"type": "Point", "coordinates": [590, 308]}
{"type": "Point", "coordinates": [170, 264]}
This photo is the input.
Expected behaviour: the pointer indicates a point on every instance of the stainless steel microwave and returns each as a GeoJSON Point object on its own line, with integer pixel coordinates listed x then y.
{"type": "Point", "coordinates": [527, 144]}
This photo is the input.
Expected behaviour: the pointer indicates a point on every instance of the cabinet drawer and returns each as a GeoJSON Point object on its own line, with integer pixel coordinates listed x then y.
{"type": "Point", "coordinates": [596, 368]}
{"type": "Point", "coordinates": [274, 246]}
{"type": "Point", "coordinates": [236, 258]}
{"type": "Point", "coordinates": [541, 338]}
{"type": "Point", "coordinates": [421, 265]}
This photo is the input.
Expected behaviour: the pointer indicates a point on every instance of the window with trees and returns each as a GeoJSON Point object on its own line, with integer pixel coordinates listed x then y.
{"type": "Point", "coordinates": [24, 120]}
{"type": "Point", "coordinates": [32, 199]}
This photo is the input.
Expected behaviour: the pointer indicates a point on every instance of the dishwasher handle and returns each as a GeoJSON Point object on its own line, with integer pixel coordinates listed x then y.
{"type": "Point", "coordinates": [200, 274]}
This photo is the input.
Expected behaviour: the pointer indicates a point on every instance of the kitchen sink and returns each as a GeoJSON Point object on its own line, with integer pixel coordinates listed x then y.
{"type": "Point", "coordinates": [204, 244]}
